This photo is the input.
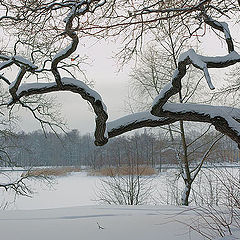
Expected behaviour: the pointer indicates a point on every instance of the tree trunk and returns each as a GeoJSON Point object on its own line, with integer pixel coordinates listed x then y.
{"type": "Point", "coordinates": [186, 194]}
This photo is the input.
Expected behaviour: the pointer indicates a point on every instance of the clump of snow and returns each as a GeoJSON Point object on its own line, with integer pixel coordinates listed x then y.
{"type": "Point", "coordinates": [87, 89]}
{"type": "Point", "coordinates": [165, 89]}
{"type": "Point", "coordinates": [24, 61]}
{"type": "Point", "coordinates": [5, 63]}
{"type": "Point", "coordinates": [30, 86]}
{"type": "Point", "coordinates": [227, 113]}
{"type": "Point", "coordinates": [132, 118]}
{"type": "Point", "coordinates": [63, 51]}
{"type": "Point", "coordinates": [198, 62]}
{"type": "Point", "coordinates": [208, 78]}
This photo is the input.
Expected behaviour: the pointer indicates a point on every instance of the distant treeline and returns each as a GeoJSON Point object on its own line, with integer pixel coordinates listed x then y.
{"type": "Point", "coordinates": [72, 149]}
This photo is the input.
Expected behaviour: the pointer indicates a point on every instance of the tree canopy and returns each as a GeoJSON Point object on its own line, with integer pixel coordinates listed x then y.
{"type": "Point", "coordinates": [40, 39]}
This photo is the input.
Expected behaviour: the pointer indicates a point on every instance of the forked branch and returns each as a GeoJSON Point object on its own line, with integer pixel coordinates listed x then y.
{"type": "Point", "coordinates": [225, 120]}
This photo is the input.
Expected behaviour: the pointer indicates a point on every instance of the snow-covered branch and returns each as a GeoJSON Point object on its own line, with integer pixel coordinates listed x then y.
{"type": "Point", "coordinates": [225, 120]}
{"type": "Point", "coordinates": [14, 85]}
{"type": "Point", "coordinates": [223, 27]}
{"type": "Point", "coordinates": [201, 62]}
{"type": "Point", "coordinates": [18, 60]}
{"type": "Point", "coordinates": [56, 20]}
{"type": "Point", "coordinates": [76, 86]}
{"type": "Point", "coordinates": [135, 121]}
{"type": "Point", "coordinates": [62, 55]}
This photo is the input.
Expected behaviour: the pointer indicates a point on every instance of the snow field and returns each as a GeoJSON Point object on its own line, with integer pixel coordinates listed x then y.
{"type": "Point", "coordinates": [67, 210]}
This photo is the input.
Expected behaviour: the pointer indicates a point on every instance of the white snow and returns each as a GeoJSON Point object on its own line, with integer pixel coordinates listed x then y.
{"type": "Point", "coordinates": [28, 86]}
{"type": "Point", "coordinates": [219, 59]}
{"type": "Point", "coordinates": [224, 25]}
{"type": "Point", "coordinates": [197, 61]}
{"type": "Point", "coordinates": [226, 30]}
{"type": "Point", "coordinates": [166, 88]}
{"type": "Point", "coordinates": [195, 58]}
{"type": "Point", "coordinates": [66, 81]}
{"type": "Point", "coordinates": [201, 61]}
{"type": "Point", "coordinates": [3, 64]}
{"type": "Point", "coordinates": [4, 57]}
{"type": "Point", "coordinates": [68, 212]}
{"type": "Point", "coordinates": [213, 111]}
{"type": "Point", "coordinates": [81, 223]}
{"type": "Point", "coordinates": [86, 88]}
{"type": "Point", "coordinates": [208, 78]}
{"type": "Point", "coordinates": [132, 118]}
{"type": "Point", "coordinates": [63, 51]}
{"type": "Point", "coordinates": [24, 61]}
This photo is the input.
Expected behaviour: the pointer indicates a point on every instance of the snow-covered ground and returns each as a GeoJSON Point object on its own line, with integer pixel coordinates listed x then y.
{"type": "Point", "coordinates": [76, 223]}
{"type": "Point", "coordinates": [76, 189]}
{"type": "Point", "coordinates": [68, 211]}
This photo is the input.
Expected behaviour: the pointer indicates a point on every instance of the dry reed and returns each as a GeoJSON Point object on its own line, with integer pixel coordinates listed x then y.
{"type": "Point", "coordinates": [49, 172]}
{"type": "Point", "coordinates": [124, 170]}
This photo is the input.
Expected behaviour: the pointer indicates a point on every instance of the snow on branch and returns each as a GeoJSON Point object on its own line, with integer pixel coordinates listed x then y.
{"type": "Point", "coordinates": [24, 65]}
{"type": "Point", "coordinates": [223, 27]}
{"type": "Point", "coordinates": [18, 60]}
{"type": "Point", "coordinates": [13, 87]}
{"type": "Point", "coordinates": [76, 86]}
{"type": "Point", "coordinates": [135, 121]}
{"type": "Point", "coordinates": [63, 52]}
{"type": "Point", "coordinates": [231, 115]}
{"type": "Point", "coordinates": [200, 62]}
{"type": "Point", "coordinates": [6, 64]}
{"type": "Point", "coordinates": [23, 61]}
{"type": "Point", "coordinates": [225, 120]}
{"type": "Point", "coordinates": [62, 55]}
{"type": "Point", "coordinates": [81, 7]}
